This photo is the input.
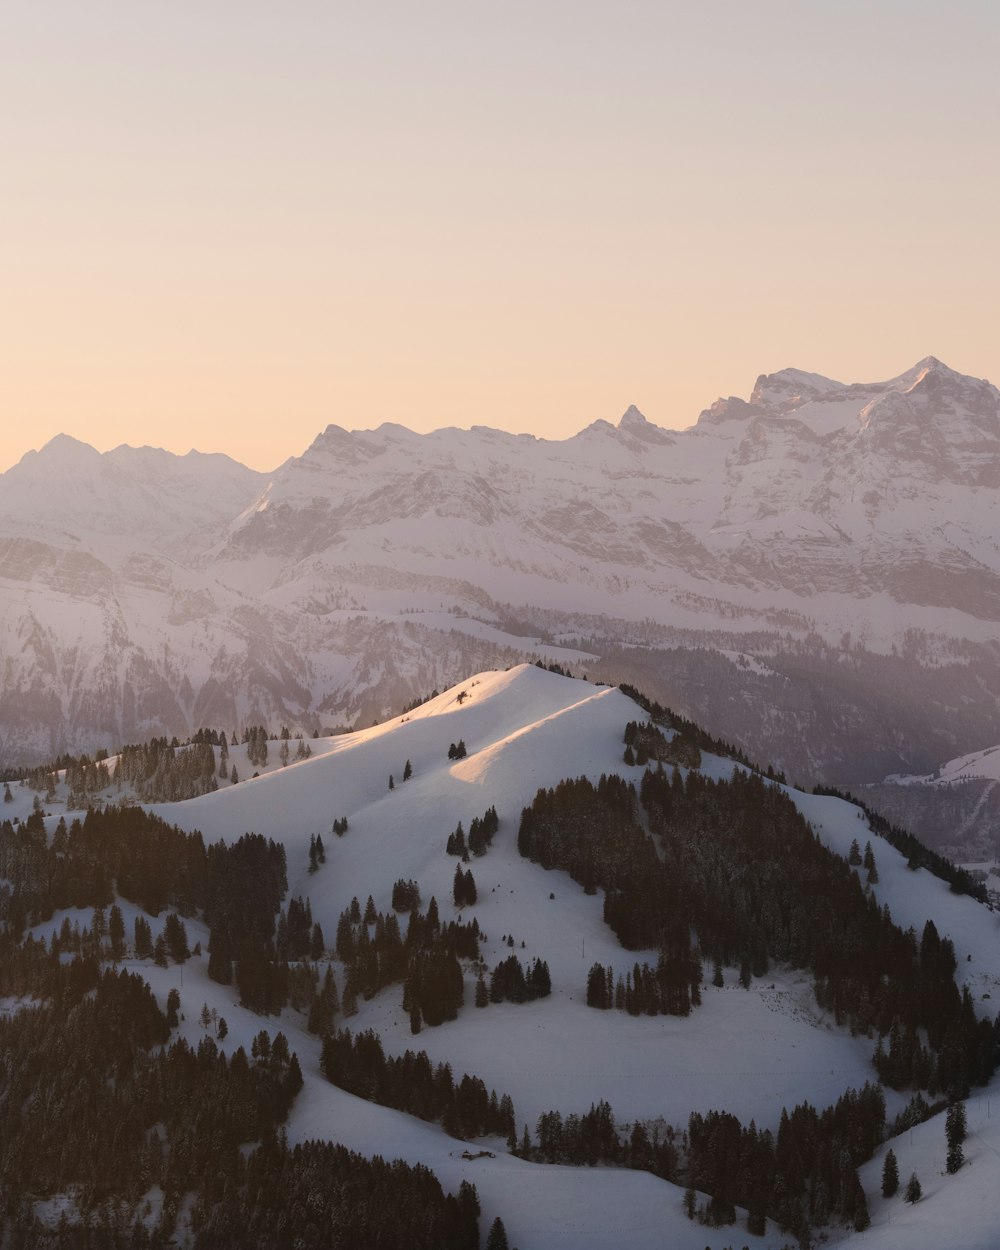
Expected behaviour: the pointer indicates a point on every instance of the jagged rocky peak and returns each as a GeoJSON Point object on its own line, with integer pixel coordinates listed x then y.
{"type": "Point", "coordinates": [634, 424]}
{"type": "Point", "coordinates": [790, 387]}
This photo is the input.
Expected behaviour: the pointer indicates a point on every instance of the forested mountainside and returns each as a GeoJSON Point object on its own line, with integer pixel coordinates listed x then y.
{"type": "Point", "coordinates": [331, 993]}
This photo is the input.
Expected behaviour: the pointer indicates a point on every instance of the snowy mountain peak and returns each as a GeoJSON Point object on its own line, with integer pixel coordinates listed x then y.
{"type": "Point", "coordinates": [632, 419]}
{"type": "Point", "coordinates": [789, 387]}
{"type": "Point", "coordinates": [635, 425]}
{"type": "Point", "coordinates": [62, 453]}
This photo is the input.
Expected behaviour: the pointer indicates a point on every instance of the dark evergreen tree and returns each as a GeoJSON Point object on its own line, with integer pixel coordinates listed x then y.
{"type": "Point", "coordinates": [890, 1175]}
{"type": "Point", "coordinates": [955, 1131]}
{"type": "Point", "coordinates": [497, 1239]}
{"type": "Point", "coordinates": [175, 936]}
{"type": "Point", "coordinates": [914, 1191]}
{"type": "Point", "coordinates": [143, 938]}
{"type": "Point", "coordinates": [116, 932]}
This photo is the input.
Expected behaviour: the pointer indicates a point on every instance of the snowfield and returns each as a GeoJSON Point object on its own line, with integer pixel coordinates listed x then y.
{"type": "Point", "coordinates": [750, 1052]}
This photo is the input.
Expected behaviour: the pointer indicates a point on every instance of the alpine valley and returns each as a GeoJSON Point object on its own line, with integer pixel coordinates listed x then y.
{"type": "Point", "coordinates": [812, 575]}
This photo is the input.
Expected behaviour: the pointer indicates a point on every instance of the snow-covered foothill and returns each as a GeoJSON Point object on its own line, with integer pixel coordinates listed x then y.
{"type": "Point", "coordinates": [747, 1051]}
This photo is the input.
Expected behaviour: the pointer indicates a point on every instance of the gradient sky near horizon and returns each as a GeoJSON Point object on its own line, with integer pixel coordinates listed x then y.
{"type": "Point", "coordinates": [227, 224]}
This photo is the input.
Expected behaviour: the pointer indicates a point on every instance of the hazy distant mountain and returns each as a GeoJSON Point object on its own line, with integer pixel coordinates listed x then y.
{"type": "Point", "coordinates": [836, 547]}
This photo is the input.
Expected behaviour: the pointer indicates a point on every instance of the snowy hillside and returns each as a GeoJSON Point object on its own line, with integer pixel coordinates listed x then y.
{"type": "Point", "coordinates": [749, 1051]}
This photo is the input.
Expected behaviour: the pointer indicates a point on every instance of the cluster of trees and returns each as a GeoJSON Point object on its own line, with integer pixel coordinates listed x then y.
{"type": "Point", "coordinates": [159, 772]}
{"type": "Point", "coordinates": [339, 827]}
{"type": "Point", "coordinates": [645, 742]}
{"type": "Point", "coordinates": [118, 849]}
{"type": "Point", "coordinates": [255, 740]}
{"type": "Point", "coordinates": [642, 991]}
{"type": "Point", "coordinates": [410, 1083]}
{"type": "Point", "coordinates": [688, 730]}
{"type": "Point", "coordinates": [85, 777]}
{"type": "Point", "coordinates": [456, 750]}
{"type": "Point", "coordinates": [592, 832]}
{"type": "Point", "coordinates": [956, 1129]}
{"type": "Point", "coordinates": [866, 861]}
{"type": "Point", "coordinates": [245, 886]}
{"type": "Point", "coordinates": [376, 954]}
{"type": "Point", "coordinates": [802, 1178]}
{"type": "Point", "coordinates": [405, 895]}
{"type": "Point", "coordinates": [464, 887]}
{"type": "Point", "coordinates": [481, 833]}
{"type": "Point", "coordinates": [434, 989]}
{"type": "Point", "coordinates": [298, 936]}
{"type": "Point", "coordinates": [317, 851]}
{"type": "Point", "coordinates": [512, 982]}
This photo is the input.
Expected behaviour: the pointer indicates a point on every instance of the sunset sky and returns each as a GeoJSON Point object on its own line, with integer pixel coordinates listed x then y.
{"type": "Point", "coordinates": [227, 224]}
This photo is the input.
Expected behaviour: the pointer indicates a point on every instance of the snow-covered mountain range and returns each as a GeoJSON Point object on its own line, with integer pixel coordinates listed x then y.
{"type": "Point", "coordinates": [835, 545]}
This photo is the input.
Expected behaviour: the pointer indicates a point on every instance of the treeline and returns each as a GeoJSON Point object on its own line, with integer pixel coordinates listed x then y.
{"type": "Point", "coordinates": [592, 833]}
{"type": "Point", "coordinates": [643, 991]}
{"type": "Point", "coordinates": [93, 1098]}
{"type": "Point", "coordinates": [802, 1178]}
{"type": "Point", "coordinates": [759, 885]}
{"type": "Point", "coordinates": [917, 855]}
{"type": "Point", "coordinates": [686, 728]}
{"type": "Point", "coordinates": [161, 773]}
{"type": "Point", "coordinates": [96, 1100]}
{"type": "Point", "coordinates": [128, 852]}
{"type": "Point", "coordinates": [645, 742]}
{"type": "Point", "coordinates": [595, 1137]}
{"type": "Point", "coordinates": [359, 1065]}
{"type": "Point", "coordinates": [281, 1197]}
{"type": "Point", "coordinates": [118, 849]}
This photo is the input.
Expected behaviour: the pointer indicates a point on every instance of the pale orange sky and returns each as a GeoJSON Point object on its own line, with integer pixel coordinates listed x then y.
{"type": "Point", "coordinates": [228, 224]}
